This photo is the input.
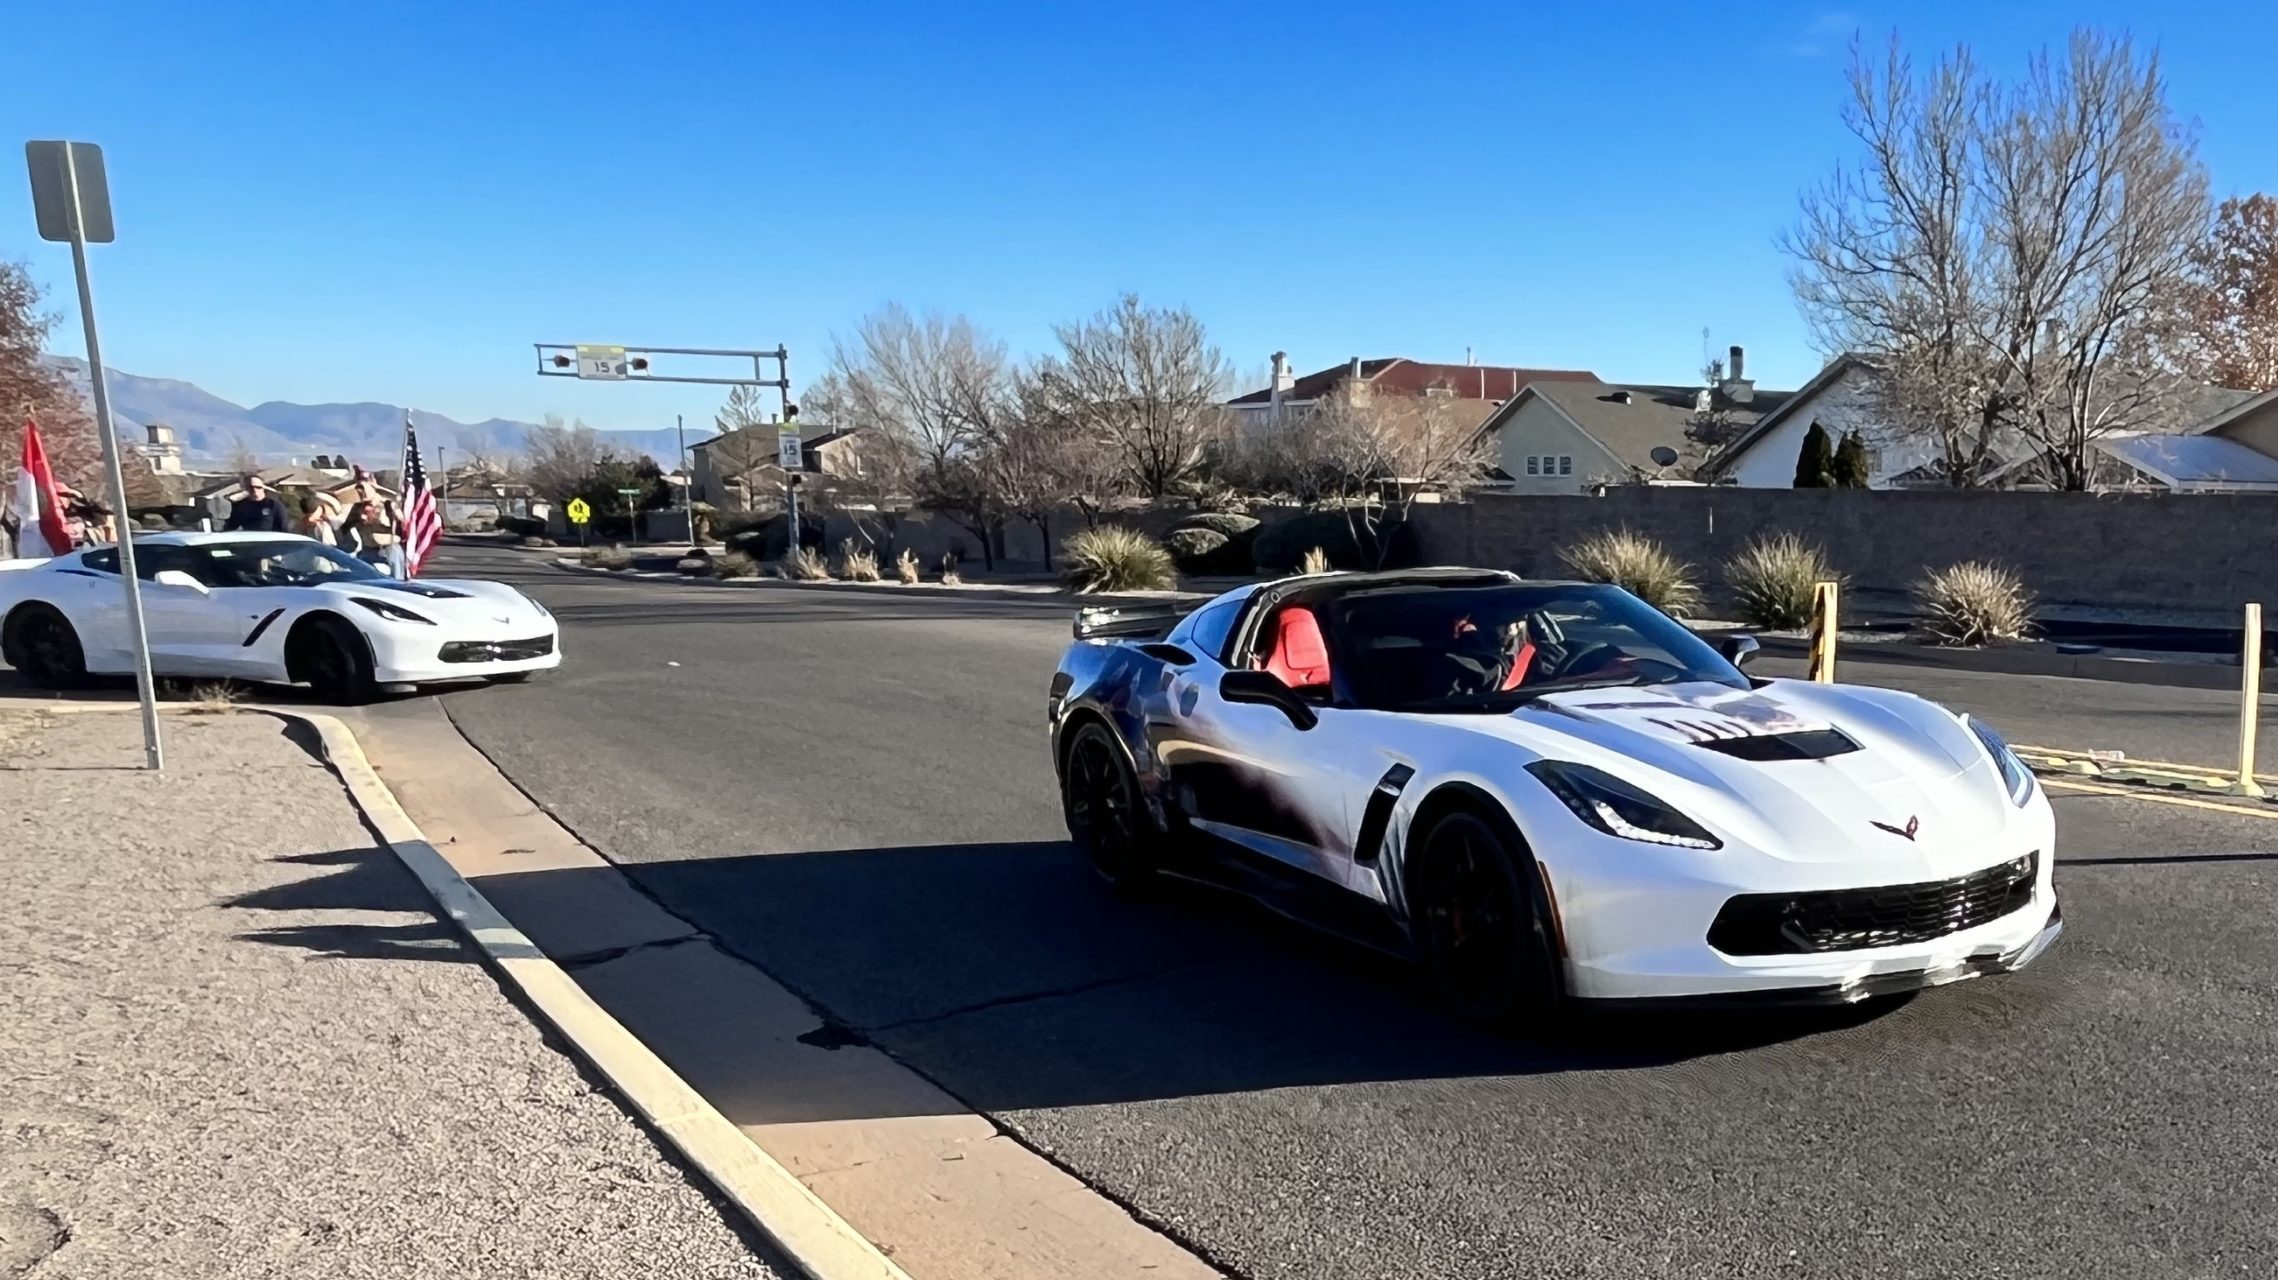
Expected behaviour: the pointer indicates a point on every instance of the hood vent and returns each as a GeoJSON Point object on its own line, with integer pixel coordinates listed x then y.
{"type": "Point", "coordinates": [424, 590]}
{"type": "Point", "coordinates": [1810, 744]}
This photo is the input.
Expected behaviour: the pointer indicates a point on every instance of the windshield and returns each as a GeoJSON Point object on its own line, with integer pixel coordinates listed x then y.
{"type": "Point", "coordinates": [271, 563]}
{"type": "Point", "coordinates": [1488, 648]}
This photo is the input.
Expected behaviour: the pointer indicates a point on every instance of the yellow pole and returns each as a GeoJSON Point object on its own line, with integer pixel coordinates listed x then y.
{"type": "Point", "coordinates": [1823, 628]}
{"type": "Point", "coordinates": [2250, 701]}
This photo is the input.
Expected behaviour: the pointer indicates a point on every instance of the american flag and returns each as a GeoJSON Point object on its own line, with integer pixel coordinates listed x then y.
{"type": "Point", "coordinates": [422, 522]}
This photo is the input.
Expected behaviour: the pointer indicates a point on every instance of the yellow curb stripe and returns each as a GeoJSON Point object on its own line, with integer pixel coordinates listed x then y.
{"type": "Point", "coordinates": [2154, 797]}
{"type": "Point", "coordinates": [814, 1238]}
{"type": "Point", "coordinates": [2062, 753]}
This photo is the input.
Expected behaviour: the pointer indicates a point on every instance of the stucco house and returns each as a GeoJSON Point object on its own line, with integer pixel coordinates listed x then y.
{"type": "Point", "coordinates": [1571, 437]}
{"type": "Point", "coordinates": [2241, 426]}
{"type": "Point", "coordinates": [737, 470]}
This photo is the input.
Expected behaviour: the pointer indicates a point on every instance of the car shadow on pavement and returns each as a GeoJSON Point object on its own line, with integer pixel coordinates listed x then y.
{"type": "Point", "coordinates": [353, 880]}
{"type": "Point", "coordinates": [1005, 974]}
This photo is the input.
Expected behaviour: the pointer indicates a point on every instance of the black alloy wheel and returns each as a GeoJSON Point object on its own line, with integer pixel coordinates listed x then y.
{"type": "Point", "coordinates": [1106, 818]}
{"type": "Point", "coordinates": [42, 645]}
{"type": "Point", "coordinates": [333, 661]}
{"type": "Point", "coordinates": [1480, 934]}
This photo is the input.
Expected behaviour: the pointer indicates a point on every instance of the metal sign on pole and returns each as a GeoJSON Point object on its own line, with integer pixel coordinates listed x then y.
{"type": "Point", "coordinates": [605, 363]}
{"type": "Point", "coordinates": [71, 201]}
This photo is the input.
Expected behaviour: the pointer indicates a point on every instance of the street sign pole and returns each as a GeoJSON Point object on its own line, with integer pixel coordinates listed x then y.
{"type": "Point", "coordinates": [56, 184]}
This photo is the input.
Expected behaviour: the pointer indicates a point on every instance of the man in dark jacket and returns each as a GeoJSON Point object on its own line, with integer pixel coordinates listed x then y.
{"type": "Point", "coordinates": [259, 511]}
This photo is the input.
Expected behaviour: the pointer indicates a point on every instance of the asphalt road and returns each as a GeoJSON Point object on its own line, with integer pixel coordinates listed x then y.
{"type": "Point", "coordinates": [851, 791]}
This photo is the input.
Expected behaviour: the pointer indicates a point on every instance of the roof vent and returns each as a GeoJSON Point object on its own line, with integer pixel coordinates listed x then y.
{"type": "Point", "coordinates": [1620, 397]}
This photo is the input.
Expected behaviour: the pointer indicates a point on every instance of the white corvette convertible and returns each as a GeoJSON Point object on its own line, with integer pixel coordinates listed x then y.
{"type": "Point", "coordinates": [265, 606]}
{"type": "Point", "coordinates": [1550, 791]}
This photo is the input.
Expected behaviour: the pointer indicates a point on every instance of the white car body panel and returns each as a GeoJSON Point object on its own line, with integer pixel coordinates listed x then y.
{"type": "Point", "coordinates": [240, 632]}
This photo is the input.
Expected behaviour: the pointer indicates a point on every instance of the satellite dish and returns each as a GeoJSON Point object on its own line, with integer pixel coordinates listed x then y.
{"type": "Point", "coordinates": [1664, 456]}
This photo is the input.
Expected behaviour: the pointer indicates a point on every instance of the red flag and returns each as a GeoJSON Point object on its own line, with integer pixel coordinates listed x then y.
{"type": "Point", "coordinates": [38, 507]}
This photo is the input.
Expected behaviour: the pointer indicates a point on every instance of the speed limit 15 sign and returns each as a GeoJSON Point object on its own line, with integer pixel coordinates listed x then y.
{"type": "Point", "coordinates": [607, 363]}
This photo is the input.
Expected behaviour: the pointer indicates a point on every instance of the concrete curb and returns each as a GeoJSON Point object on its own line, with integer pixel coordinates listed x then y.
{"type": "Point", "coordinates": [920, 591]}
{"type": "Point", "coordinates": [810, 1235]}
{"type": "Point", "coordinates": [2021, 662]}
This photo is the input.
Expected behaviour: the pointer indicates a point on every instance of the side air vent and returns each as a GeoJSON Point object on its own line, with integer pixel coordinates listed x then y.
{"type": "Point", "coordinates": [1812, 744]}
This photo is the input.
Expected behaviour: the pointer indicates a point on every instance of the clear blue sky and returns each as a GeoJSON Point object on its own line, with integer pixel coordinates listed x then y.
{"type": "Point", "coordinates": [391, 201]}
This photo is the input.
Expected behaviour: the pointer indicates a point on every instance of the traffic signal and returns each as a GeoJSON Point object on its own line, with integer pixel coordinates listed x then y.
{"type": "Point", "coordinates": [561, 361]}
{"type": "Point", "coordinates": [640, 364]}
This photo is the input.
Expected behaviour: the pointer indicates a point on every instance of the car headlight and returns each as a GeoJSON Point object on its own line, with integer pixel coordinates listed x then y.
{"type": "Point", "coordinates": [391, 611]}
{"type": "Point", "coordinates": [1618, 808]}
{"type": "Point", "coordinates": [2014, 775]}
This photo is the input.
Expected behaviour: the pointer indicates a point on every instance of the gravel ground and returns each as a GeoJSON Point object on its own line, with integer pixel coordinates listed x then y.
{"type": "Point", "coordinates": [235, 1042]}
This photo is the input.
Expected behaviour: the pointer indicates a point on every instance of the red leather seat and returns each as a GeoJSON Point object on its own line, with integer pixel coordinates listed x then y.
{"type": "Point", "coordinates": [1521, 662]}
{"type": "Point", "coordinates": [1299, 656]}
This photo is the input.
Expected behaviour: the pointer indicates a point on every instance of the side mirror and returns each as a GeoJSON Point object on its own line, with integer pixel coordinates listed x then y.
{"type": "Point", "coordinates": [1738, 649]}
{"type": "Point", "coordinates": [177, 578]}
{"type": "Point", "coordinates": [1265, 689]}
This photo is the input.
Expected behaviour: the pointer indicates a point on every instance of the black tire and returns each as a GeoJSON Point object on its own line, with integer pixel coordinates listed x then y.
{"type": "Point", "coordinates": [41, 643]}
{"type": "Point", "coordinates": [1106, 814]}
{"type": "Point", "coordinates": [1480, 924]}
{"type": "Point", "coordinates": [335, 663]}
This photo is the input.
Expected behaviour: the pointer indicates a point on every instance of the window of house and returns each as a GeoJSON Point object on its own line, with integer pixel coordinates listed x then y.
{"type": "Point", "coordinates": [1566, 464]}
{"type": "Point", "coordinates": [1534, 465]}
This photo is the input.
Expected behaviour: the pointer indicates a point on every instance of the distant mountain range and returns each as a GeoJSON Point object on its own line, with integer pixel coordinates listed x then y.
{"type": "Point", "coordinates": [212, 430]}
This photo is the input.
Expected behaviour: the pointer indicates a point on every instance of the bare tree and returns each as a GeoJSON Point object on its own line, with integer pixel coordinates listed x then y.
{"type": "Point", "coordinates": [562, 457]}
{"type": "Point", "coordinates": [1145, 383]}
{"type": "Point", "coordinates": [2009, 259]}
{"type": "Point", "coordinates": [2232, 340]}
{"type": "Point", "coordinates": [918, 378]}
{"type": "Point", "coordinates": [1373, 455]}
{"type": "Point", "coordinates": [31, 386]}
{"type": "Point", "coordinates": [242, 459]}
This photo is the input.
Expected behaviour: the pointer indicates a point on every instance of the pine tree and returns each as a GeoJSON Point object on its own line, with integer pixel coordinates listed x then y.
{"type": "Point", "coordinates": [1850, 468]}
{"type": "Point", "coordinates": [1815, 465]}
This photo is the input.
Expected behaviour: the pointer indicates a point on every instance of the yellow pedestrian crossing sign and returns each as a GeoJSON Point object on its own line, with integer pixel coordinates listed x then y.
{"type": "Point", "coordinates": [579, 511]}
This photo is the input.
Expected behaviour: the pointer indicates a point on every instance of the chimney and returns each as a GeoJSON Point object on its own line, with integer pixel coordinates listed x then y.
{"type": "Point", "coordinates": [1468, 358]}
{"type": "Point", "coordinates": [1737, 388]}
{"type": "Point", "coordinates": [1283, 379]}
{"type": "Point", "coordinates": [1356, 369]}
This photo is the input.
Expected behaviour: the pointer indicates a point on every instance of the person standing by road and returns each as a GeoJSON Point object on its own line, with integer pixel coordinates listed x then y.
{"type": "Point", "coordinates": [325, 514]}
{"type": "Point", "coordinates": [259, 511]}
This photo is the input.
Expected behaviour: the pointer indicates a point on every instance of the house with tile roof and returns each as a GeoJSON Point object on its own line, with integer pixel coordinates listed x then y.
{"type": "Point", "coordinates": [1479, 387]}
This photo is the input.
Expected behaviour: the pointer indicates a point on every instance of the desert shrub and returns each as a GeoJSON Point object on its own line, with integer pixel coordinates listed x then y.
{"type": "Point", "coordinates": [151, 520]}
{"type": "Point", "coordinates": [523, 526]}
{"type": "Point", "coordinates": [1638, 565]}
{"type": "Point", "coordinates": [1315, 561]}
{"type": "Point", "coordinates": [615, 558]}
{"type": "Point", "coordinates": [1772, 580]}
{"type": "Point", "coordinates": [1114, 558]}
{"type": "Point", "coordinates": [1346, 538]}
{"type": "Point", "coordinates": [1230, 523]}
{"type": "Point", "coordinates": [804, 564]}
{"type": "Point", "coordinates": [1973, 603]}
{"type": "Point", "coordinates": [949, 562]}
{"type": "Point", "coordinates": [735, 564]}
{"type": "Point", "coordinates": [703, 518]}
{"type": "Point", "coordinates": [906, 567]}
{"type": "Point", "coordinates": [695, 564]}
{"type": "Point", "coordinates": [537, 540]}
{"type": "Point", "coordinates": [856, 563]}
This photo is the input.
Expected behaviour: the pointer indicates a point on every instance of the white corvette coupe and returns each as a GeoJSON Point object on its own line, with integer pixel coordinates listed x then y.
{"type": "Point", "coordinates": [265, 606]}
{"type": "Point", "coordinates": [1550, 792]}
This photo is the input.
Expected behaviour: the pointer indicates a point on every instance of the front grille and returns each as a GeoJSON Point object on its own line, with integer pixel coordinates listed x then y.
{"type": "Point", "coordinates": [497, 650]}
{"type": "Point", "coordinates": [1774, 924]}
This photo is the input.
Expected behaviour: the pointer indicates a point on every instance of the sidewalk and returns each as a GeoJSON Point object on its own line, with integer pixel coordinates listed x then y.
{"type": "Point", "coordinates": [234, 1041]}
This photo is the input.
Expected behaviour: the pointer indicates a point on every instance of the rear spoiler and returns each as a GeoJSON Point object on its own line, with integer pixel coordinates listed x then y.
{"type": "Point", "coordinates": [1120, 621]}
